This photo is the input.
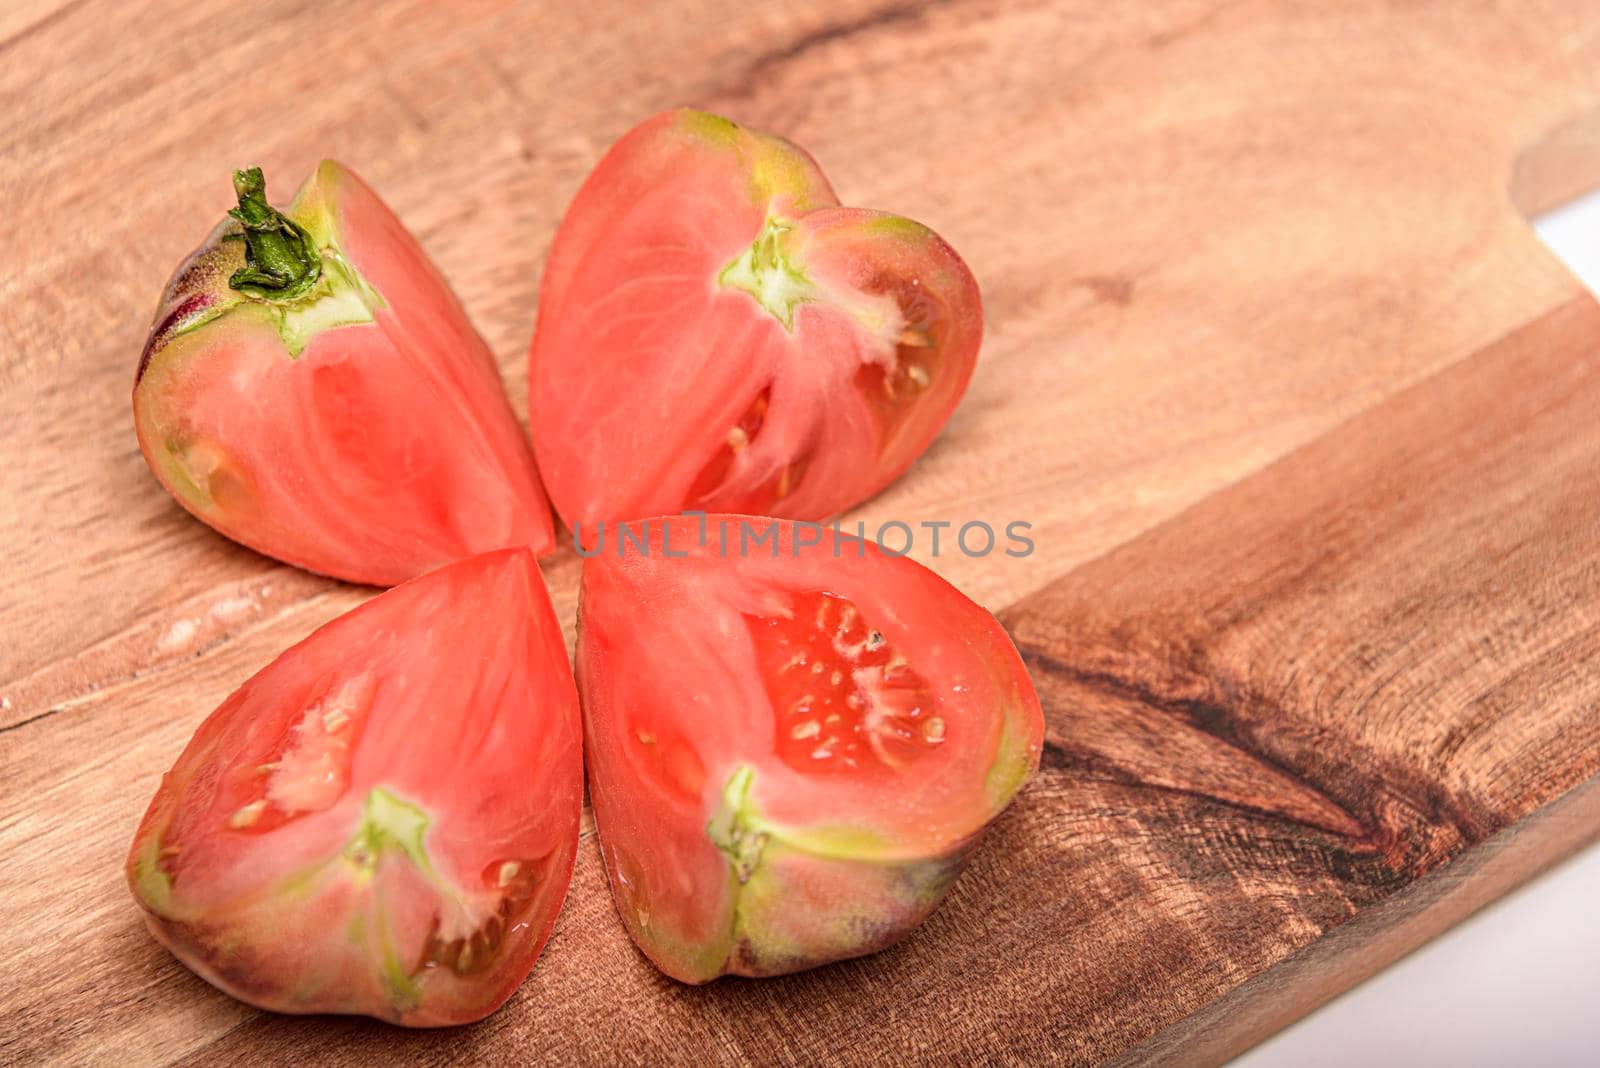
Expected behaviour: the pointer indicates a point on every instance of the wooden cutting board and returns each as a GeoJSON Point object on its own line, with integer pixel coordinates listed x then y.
{"type": "Point", "coordinates": [1303, 416]}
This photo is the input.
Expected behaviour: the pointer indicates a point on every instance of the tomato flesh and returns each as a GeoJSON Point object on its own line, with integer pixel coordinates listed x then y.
{"type": "Point", "coordinates": [383, 820]}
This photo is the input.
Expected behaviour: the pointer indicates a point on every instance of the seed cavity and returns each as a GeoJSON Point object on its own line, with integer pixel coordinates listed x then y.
{"type": "Point", "coordinates": [849, 700]}
{"type": "Point", "coordinates": [719, 468]}
{"type": "Point", "coordinates": [897, 380]}
{"type": "Point", "coordinates": [312, 771]}
{"type": "Point", "coordinates": [519, 883]}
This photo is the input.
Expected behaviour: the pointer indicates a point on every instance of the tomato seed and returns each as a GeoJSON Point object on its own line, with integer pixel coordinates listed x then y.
{"type": "Point", "coordinates": [247, 815]}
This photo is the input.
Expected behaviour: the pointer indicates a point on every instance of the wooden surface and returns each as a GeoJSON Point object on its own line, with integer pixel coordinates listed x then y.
{"type": "Point", "coordinates": [1302, 413]}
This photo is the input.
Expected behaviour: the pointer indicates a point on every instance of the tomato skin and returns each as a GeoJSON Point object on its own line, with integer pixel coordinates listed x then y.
{"type": "Point", "coordinates": [754, 866]}
{"type": "Point", "coordinates": [716, 333]}
{"type": "Point", "coordinates": [384, 447]}
{"type": "Point", "coordinates": [383, 821]}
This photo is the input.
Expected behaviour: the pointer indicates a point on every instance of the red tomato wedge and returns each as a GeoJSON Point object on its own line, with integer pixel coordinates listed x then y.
{"type": "Point", "coordinates": [384, 819]}
{"type": "Point", "coordinates": [792, 749]}
{"type": "Point", "coordinates": [717, 333]}
{"type": "Point", "coordinates": [313, 389]}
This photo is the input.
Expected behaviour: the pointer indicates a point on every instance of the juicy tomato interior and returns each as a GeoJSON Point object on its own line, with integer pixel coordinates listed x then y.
{"type": "Point", "coordinates": [741, 342]}
{"type": "Point", "coordinates": [835, 403]}
{"type": "Point", "coordinates": [895, 391]}
{"type": "Point", "coordinates": [845, 699]}
{"type": "Point", "coordinates": [892, 384]}
{"type": "Point", "coordinates": [307, 767]}
{"type": "Point", "coordinates": [518, 885]}
{"type": "Point", "coordinates": [741, 435]}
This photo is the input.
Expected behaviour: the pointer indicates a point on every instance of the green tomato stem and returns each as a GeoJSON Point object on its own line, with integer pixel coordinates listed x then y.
{"type": "Point", "coordinates": [281, 260]}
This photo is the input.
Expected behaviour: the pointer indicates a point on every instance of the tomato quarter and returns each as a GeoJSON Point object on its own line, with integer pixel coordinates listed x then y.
{"type": "Point", "coordinates": [313, 389]}
{"type": "Point", "coordinates": [791, 753]}
{"type": "Point", "coordinates": [384, 819]}
{"type": "Point", "coordinates": [717, 333]}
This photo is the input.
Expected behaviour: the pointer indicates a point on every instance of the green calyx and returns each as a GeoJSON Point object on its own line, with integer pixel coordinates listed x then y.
{"type": "Point", "coordinates": [281, 260]}
{"type": "Point", "coordinates": [294, 273]}
{"type": "Point", "coordinates": [768, 276]}
{"type": "Point", "coordinates": [341, 298]}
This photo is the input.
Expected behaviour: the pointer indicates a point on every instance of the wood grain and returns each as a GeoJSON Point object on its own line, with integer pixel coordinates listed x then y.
{"type": "Point", "coordinates": [1308, 693]}
{"type": "Point", "coordinates": [1300, 410]}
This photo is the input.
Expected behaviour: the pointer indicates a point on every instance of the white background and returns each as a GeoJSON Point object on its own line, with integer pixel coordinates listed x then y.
{"type": "Point", "coordinates": [1518, 984]}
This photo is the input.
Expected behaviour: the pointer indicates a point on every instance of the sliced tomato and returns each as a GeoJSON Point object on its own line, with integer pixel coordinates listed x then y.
{"type": "Point", "coordinates": [343, 415]}
{"type": "Point", "coordinates": [384, 819]}
{"type": "Point", "coordinates": [717, 333]}
{"type": "Point", "coordinates": [792, 748]}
